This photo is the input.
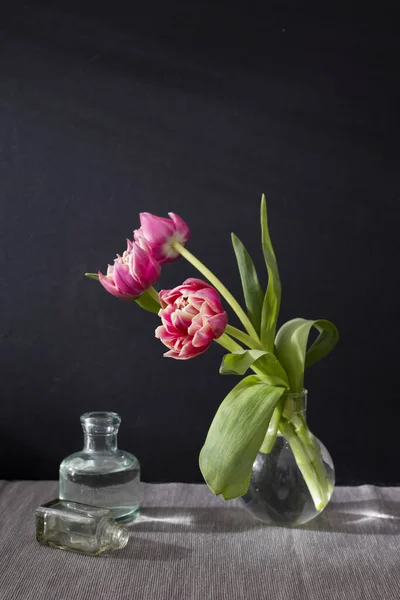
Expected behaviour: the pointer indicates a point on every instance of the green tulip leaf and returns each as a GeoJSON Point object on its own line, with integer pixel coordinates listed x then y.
{"type": "Point", "coordinates": [272, 370]}
{"type": "Point", "coordinates": [291, 347]}
{"type": "Point", "coordinates": [252, 291]}
{"type": "Point", "coordinates": [92, 276]}
{"type": "Point", "coordinates": [327, 339]}
{"type": "Point", "coordinates": [235, 436]}
{"type": "Point", "coordinates": [148, 302]}
{"type": "Point", "coordinates": [272, 299]}
{"type": "Point", "coordinates": [237, 363]}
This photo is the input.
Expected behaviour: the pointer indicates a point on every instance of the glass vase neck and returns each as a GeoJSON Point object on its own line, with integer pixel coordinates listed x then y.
{"type": "Point", "coordinates": [100, 430]}
{"type": "Point", "coordinates": [295, 402]}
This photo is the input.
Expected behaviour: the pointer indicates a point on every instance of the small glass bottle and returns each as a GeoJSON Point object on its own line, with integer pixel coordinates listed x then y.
{"type": "Point", "coordinates": [79, 527]}
{"type": "Point", "coordinates": [101, 474]}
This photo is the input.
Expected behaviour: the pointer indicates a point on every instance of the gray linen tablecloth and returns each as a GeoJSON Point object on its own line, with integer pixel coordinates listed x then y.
{"type": "Point", "coordinates": [189, 545]}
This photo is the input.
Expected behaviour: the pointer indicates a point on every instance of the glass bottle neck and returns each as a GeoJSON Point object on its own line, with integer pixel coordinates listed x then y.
{"type": "Point", "coordinates": [100, 430]}
{"type": "Point", "coordinates": [295, 404]}
{"type": "Point", "coordinates": [99, 442]}
{"type": "Point", "coordinates": [115, 536]}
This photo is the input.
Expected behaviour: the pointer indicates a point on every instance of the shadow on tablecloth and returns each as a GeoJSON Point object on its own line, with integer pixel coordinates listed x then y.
{"type": "Point", "coordinates": [199, 520]}
{"type": "Point", "coordinates": [358, 517]}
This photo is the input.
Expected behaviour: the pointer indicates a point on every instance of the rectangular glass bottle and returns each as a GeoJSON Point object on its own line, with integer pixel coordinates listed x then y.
{"type": "Point", "coordinates": [79, 527]}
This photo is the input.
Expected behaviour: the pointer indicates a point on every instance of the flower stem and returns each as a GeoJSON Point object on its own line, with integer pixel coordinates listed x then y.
{"type": "Point", "coordinates": [272, 431]}
{"type": "Point", "coordinates": [228, 343]}
{"type": "Point", "coordinates": [303, 462]}
{"type": "Point", "coordinates": [153, 293]}
{"type": "Point", "coordinates": [225, 293]}
{"type": "Point", "coordinates": [242, 337]}
{"type": "Point", "coordinates": [314, 453]}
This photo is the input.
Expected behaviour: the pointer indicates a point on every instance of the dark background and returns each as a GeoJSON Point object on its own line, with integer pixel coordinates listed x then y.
{"type": "Point", "coordinates": [196, 109]}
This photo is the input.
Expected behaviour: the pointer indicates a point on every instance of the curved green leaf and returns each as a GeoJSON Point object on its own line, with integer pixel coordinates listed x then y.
{"type": "Point", "coordinates": [327, 339]}
{"type": "Point", "coordinates": [237, 363]}
{"type": "Point", "coordinates": [148, 303]}
{"type": "Point", "coordinates": [252, 291]}
{"type": "Point", "coordinates": [272, 370]}
{"type": "Point", "coordinates": [272, 299]}
{"type": "Point", "coordinates": [291, 347]}
{"type": "Point", "coordinates": [235, 436]}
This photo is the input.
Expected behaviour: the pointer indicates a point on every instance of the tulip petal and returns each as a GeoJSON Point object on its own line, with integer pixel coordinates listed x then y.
{"type": "Point", "coordinates": [203, 336]}
{"type": "Point", "coordinates": [197, 323]}
{"type": "Point", "coordinates": [195, 284]}
{"type": "Point", "coordinates": [190, 351]}
{"type": "Point", "coordinates": [172, 354]}
{"type": "Point", "coordinates": [140, 241]}
{"type": "Point", "coordinates": [143, 267]}
{"type": "Point", "coordinates": [218, 324]}
{"type": "Point", "coordinates": [111, 288]}
{"type": "Point", "coordinates": [169, 254]}
{"type": "Point", "coordinates": [171, 329]}
{"type": "Point", "coordinates": [156, 229]}
{"type": "Point", "coordinates": [192, 316]}
{"type": "Point", "coordinates": [124, 281]}
{"type": "Point", "coordinates": [181, 320]}
{"type": "Point", "coordinates": [212, 298]}
{"type": "Point", "coordinates": [181, 228]}
{"type": "Point", "coordinates": [168, 296]}
{"type": "Point", "coordinates": [157, 234]}
{"type": "Point", "coordinates": [162, 334]}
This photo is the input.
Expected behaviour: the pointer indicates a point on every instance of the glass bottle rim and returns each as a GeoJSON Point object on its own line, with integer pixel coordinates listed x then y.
{"type": "Point", "coordinates": [296, 402]}
{"type": "Point", "coordinates": [296, 395]}
{"type": "Point", "coordinates": [100, 422]}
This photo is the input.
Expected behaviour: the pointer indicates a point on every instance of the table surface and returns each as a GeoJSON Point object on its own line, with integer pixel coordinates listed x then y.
{"type": "Point", "coordinates": [189, 545]}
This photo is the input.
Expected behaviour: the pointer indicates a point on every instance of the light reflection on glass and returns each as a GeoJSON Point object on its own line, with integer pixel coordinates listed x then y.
{"type": "Point", "coordinates": [173, 519]}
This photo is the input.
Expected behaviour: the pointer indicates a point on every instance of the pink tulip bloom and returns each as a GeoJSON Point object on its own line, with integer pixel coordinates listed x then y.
{"type": "Point", "coordinates": [131, 274]}
{"type": "Point", "coordinates": [192, 317]}
{"type": "Point", "coordinates": [157, 234]}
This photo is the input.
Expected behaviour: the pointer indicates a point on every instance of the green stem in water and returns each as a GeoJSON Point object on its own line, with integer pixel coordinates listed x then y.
{"type": "Point", "coordinates": [225, 293]}
{"type": "Point", "coordinates": [153, 293]}
{"type": "Point", "coordinates": [303, 462]}
{"type": "Point", "coordinates": [310, 445]}
{"type": "Point", "coordinates": [314, 453]}
{"type": "Point", "coordinates": [242, 337]}
{"type": "Point", "coordinates": [272, 431]}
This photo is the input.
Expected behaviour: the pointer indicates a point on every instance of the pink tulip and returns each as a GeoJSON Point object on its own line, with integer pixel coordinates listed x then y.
{"type": "Point", "coordinates": [192, 317]}
{"type": "Point", "coordinates": [157, 234]}
{"type": "Point", "coordinates": [131, 274]}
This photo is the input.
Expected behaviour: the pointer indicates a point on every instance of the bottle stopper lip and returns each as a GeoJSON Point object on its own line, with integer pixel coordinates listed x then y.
{"type": "Point", "coordinates": [122, 537]}
{"type": "Point", "coordinates": [117, 535]}
{"type": "Point", "coordinates": [100, 422]}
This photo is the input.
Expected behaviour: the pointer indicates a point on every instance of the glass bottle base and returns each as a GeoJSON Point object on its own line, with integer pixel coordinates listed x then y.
{"type": "Point", "coordinates": [126, 514]}
{"type": "Point", "coordinates": [108, 480]}
{"type": "Point", "coordinates": [278, 494]}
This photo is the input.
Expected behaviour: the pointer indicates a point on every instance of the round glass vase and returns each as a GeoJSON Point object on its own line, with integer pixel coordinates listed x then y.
{"type": "Point", "coordinates": [101, 474]}
{"type": "Point", "coordinates": [293, 481]}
